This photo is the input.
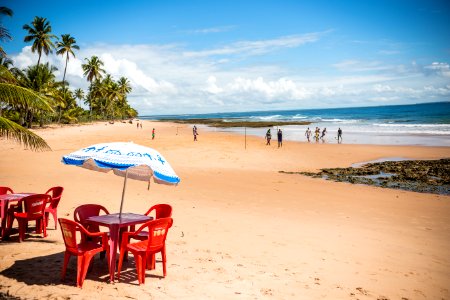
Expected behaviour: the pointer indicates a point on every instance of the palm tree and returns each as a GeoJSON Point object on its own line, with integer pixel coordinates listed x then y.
{"type": "Point", "coordinates": [41, 36]}
{"type": "Point", "coordinates": [66, 46]}
{"type": "Point", "coordinates": [124, 86]}
{"type": "Point", "coordinates": [13, 96]}
{"type": "Point", "coordinates": [79, 94]}
{"type": "Point", "coordinates": [41, 80]}
{"type": "Point", "coordinates": [93, 71]}
{"type": "Point", "coordinates": [4, 33]}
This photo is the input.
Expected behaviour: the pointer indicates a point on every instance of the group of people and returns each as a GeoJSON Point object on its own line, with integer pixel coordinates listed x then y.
{"type": "Point", "coordinates": [279, 137]}
{"type": "Point", "coordinates": [320, 136]}
{"type": "Point", "coordinates": [317, 135]}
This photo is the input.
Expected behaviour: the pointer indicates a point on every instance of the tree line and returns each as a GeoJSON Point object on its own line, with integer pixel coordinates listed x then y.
{"type": "Point", "coordinates": [34, 97]}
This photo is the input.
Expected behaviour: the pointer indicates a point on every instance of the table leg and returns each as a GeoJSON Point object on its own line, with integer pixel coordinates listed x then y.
{"type": "Point", "coordinates": [113, 241]}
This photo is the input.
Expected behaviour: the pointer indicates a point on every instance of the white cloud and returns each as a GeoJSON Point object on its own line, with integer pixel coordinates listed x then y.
{"type": "Point", "coordinates": [171, 79]}
{"type": "Point", "coordinates": [258, 47]}
{"type": "Point", "coordinates": [211, 30]}
{"type": "Point", "coordinates": [439, 68]}
{"type": "Point", "coordinates": [212, 86]}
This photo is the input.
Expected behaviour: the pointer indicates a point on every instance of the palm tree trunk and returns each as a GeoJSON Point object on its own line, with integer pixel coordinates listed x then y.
{"type": "Point", "coordinates": [39, 59]}
{"type": "Point", "coordinates": [64, 89]}
{"type": "Point", "coordinates": [60, 114]}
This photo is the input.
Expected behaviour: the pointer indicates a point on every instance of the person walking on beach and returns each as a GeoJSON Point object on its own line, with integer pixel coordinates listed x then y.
{"type": "Point", "coordinates": [323, 134]}
{"type": "Point", "coordinates": [339, 137]}
{"type": "Point", "coordinates": [308, 134]}
{"type": "Point", "coordinates": [153, 134]}
{"type": "Point", "coordinates": [268, 136]}
{"type": "Point", "coordinates": [140, 125]}
{"type": "Point", "coordinates": [280, 138]}
{"type": "Point", "coordinates": [195, 133]}
{"type": "Point", "coordinates": [316, 134]}
{"type": "Point", "coordinates": [137, 125]}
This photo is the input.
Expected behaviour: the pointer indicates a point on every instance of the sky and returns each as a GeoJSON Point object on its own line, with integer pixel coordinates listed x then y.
{"type": "Point", "coordinates": [187, 57]}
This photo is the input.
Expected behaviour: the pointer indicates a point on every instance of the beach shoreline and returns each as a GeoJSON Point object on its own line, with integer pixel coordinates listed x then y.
{"type": "Point", "coordinates": [241, 229]}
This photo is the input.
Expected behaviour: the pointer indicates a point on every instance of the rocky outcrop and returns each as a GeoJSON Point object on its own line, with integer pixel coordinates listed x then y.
{"type": "Point", "coordinates": [425, 176]}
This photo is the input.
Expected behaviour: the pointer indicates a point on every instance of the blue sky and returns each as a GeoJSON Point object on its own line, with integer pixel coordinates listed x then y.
{"type": "Point", "coordinates": [221, 56]}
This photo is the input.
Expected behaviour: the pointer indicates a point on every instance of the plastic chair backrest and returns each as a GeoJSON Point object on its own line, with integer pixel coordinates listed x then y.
{"type": "Point", "coordinates": [69, 230]}
{"type": "Point", "coordinates": [4, 190]}
{"type": "Point", "coordinates": [157, 233]}
{"type": "Point", "coordinates": [55, 193]}
{"type": "Point", "coordinates": [85, 211]}
{"type": "Point", "coordinates": [34, 205]}
{"type": "Point", "coordinates": [161, 211]}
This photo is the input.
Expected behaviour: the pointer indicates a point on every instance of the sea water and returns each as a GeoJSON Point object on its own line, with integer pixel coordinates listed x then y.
{"type": "Point", "coordinates": [417, 124]}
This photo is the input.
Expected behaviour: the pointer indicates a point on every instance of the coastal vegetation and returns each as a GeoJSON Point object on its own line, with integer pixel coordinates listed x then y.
{"type": "Point", "coordinates": [34, 96]}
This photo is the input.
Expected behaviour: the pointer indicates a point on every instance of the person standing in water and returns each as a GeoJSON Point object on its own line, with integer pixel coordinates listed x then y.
{"type": "Point", "coordinates": [323, 134]}
{"type": "Point", "coordinates": [268, 136]}
{"type": "Point", "coordinates": [308, 134]}
{"type": "Point", "coordinates": [339, 135]}
{"type": "Point", "coordinates": [280, 138]}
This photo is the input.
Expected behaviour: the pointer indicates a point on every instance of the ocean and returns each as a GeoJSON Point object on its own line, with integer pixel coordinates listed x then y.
{"type": "Point", "coordinates": [416, 124]}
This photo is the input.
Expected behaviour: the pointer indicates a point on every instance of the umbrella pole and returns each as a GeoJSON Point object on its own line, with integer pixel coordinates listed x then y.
{"type": "Point", "coordinates": [123, 192]}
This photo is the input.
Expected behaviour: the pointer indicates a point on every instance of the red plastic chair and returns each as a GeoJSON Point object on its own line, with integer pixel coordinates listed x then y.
{"type": "Point", "coordinates": [155, 243]}
{"type": "Point", "coordinates": [30, 208]}
{"type": "Point", "coordinates": [4, 190]}
{"type": "Point", "coordinates": [83, 250]}
{"type": "Point", "coordinates": [52, 207]}
{"type": "Point", "coordinates": [160, 211]}
{"type": "Point", "coordinates": [85, 211]}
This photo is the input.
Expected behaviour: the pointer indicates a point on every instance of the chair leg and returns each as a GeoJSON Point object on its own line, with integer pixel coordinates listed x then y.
{"type": "Point", "coordinates": [80, 264]}
{"type": "Point", "coordinates": [163, 257]}
{"type": "Point", "coordinates": [138, 261]}
{"type": "Point", "coordinates": [151, 261]}
{"type": "Point", "coordinates": [55, 218]}
{"type": "Point", "coordinates": [119, 266]}
{"type": "Point", "coordinates": [22, 229]}
{"type": "Point", "coordinates": [46, 217]}
{"type": "Point", "coordinates": [44, 227]}
{"type": "Point", "coordinates": [66, 262]}
{"type": "Point", "coordinates": [84, 261]}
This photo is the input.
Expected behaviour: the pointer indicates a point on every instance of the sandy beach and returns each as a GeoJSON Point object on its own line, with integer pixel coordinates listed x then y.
{"type": "Point", "coordinates": [242, 230]}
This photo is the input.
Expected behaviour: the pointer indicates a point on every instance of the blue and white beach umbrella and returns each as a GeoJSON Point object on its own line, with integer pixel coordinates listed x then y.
{"type": "Point", "coordinates": [128, 160]}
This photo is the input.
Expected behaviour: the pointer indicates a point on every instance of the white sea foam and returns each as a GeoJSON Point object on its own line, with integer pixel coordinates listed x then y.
{"type": "Point", "coordinates": [413, 125]}
{"type": "Point", "coordinates": [299, 117]}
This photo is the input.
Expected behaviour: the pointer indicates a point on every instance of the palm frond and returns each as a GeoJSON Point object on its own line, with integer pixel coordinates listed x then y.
{"type": "Point", "coordinates": [14, 131]}
{"type": "Point", "coordinates": [18, 96]}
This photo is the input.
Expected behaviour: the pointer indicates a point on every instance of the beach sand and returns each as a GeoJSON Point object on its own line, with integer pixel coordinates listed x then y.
{"type": "Point", "coordinates": [242, 230]}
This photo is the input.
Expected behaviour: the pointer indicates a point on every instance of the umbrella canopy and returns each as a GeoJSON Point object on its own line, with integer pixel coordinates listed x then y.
{"type": "Point", "coordinates": [125, 159]}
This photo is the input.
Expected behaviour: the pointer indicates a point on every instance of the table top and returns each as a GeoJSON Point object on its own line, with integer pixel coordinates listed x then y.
{"type": "Point", "coordinates": [15, 196]}
{"type": "Point", "coordinates": [125, 219]}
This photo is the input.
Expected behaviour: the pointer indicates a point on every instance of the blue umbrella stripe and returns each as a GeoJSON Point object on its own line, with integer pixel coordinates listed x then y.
{"type": "Point", "coordinates": [167, 178]}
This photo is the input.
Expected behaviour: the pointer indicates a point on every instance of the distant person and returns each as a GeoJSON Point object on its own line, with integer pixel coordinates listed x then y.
{"type": "Point", "coordinates": [324, 131]}
{"type": "Point", "coordinates": [339, 137]}
{"type": "Point", "coordinates": [140, 125]}
{"type": "Point", "coordinates": [268, 136]}
{"type": "Point", "coordinates": [137, 125]}
{"type": "Point", "coordinates": [280, 138]}
{"type": "Point", "coordinates": [153, 134]}
{"type": "Point", "coordinates": [308, 134]}
{"type": "Point", "coordinates": [316, 134]}
{"type": "Point", "coordinates": [195, 133]}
